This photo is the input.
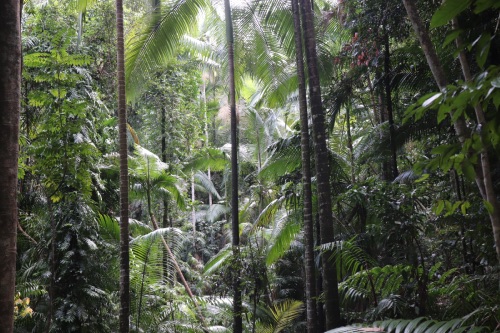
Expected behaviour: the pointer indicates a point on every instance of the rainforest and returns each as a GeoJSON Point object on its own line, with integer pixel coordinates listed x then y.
{"type": "Point", "coordinates": [256, 166]}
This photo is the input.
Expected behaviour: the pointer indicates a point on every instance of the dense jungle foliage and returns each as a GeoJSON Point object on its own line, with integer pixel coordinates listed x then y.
{"type": "Point", "coordinates": [412, 198]}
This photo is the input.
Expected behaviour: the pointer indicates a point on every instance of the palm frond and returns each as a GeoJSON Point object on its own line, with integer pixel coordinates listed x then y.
{"type": "Point", "coordinates": [348, 257]}
{"type": "Point", "coordinates": [219, 260]}
{"type": "Point", "coordinates": [418, 325]}
{"type": "Point", "coordinates": [208, 158]}
{"type": "Point", "coordinates": [285, 313]}
{"type": "Point", "coordinates": [158, 40]}
{"type": "Point", "coordinates": [284, 158]}
{"type": "Point", "coordinates": [284, 232]}
{"type": "Point", "coordinates": [268, 213]}
{"type": "Point", "coordinates": [109, 228]}
{"type": "Point", "coordinates": [215, 212]}
{"type": "Point", "coordinates": [206, 183]}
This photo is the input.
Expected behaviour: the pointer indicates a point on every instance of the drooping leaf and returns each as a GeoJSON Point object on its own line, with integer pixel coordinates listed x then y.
{"type": "Point", "coordinates": [448, 10]}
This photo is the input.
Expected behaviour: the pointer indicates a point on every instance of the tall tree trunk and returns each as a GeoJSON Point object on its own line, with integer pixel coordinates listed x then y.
{"type": "Point", "coordinates": [483, 169]}
{"type": "Point", "coordinates": [330, 286]}
{"type": "Point", "coordinates": [309, 266]}
{"type": "Point", "coordinates": [122, 132]}
{"type": "Point", "coordinates": [393, 164]}
{"type": "Point", "coordinates": [10, 97]}
{"type": "Point", "coordinates": [207, 137]}
{"type": "Point", "coordinates": [349, 143]}
{"type": "Point", "coordinates": [165, 216]}
{"type": "Point", "coordinates": [237, 305]}
{"type": "Point", "coordinates": [489, 189]}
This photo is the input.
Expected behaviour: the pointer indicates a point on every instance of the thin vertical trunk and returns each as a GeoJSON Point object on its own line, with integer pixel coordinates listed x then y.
{"type": "Point", "coordinates": [163, 125]}
{"type": "Point", "coordinates": [122, 132]}
{"type": "Point", "coordinates": [319, 280]}
{"type": "Point", "coordinates": [349, 143]}
{"type": "Point", "coordinates": [10, 95]}
{"type": "Point", "coordinates": [193, 214]}
{"type": "Point", "coordinates": [309, 266]}
{"type": "Point", "coordinates": [483, 169]}
{"type": "Point", "coordinates": [207, 138]}
{"type": "Point", "coordinates": [237, 305]}
{"type": "Point", "coordinates": [165, 223]}
{"type": "Point", "coordinates": [388, 101]}
{"type": "Point", "coordinates": [330, 285]}
{"type": "Point", "coordinates": [52, 265]}
{"type": "Point", "coordinates": [491, 196]}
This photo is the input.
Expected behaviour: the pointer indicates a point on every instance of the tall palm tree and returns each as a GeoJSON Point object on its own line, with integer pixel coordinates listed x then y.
{"type": "Point", "coordinates": [306, 178]}
{"type": "Point", "coordinates": [10, 93]}
{"type": "Point", "coordinates": [330, 286]}
{"type": "Point", "coordinates": [237, 306]}
{"type": "Point", "coordinates": [122, 132]}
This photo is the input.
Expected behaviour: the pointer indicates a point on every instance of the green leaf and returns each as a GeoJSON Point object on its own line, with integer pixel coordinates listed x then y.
{"type": "Point", "coordinates": [468, 170]}
{"type": "Point", "coordinates": [483, 48]}
{"type": "Point", "coordinates": [448, 10]}
{"type": "Point", "coordinates": [496, 82]}
{"type": "Point", "coordinates": [452, 36]}
{"type": "Point", "coordinates": [413, 324]}
{"type": "Point", "coordinates": [463, 208]}
{"type": "Point", "coordinates": [489, 206]}
{"type": "Point", "coordinates": [219, 260]}
{"type": "Point", "coordinates": [439, 208]}
{"type": "Point", "coordinates": [431, 99]}
{"type": "Point", "coordinates": [283, 235]}
{"type": "Point", "coordinates": [482, 5]}
{"type": "Point", "coordinates": [496, 100]}
{"type": "Point", "coordinates": [443, 112]}
{"type": "Point", "coordinates": [58, 93]}
{"type": "Point", "coordinates": [422, 178]}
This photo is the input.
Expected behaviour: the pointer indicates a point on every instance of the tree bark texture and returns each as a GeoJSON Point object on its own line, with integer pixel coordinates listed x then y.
{"type": "Point", "coordinates": [10, 94]}
{"type": "Point", "coordinates": [330, 286]}
{"type": "Point", "coordinates": [309, 264]}
{"type": "Point", "coordinates": [237, 304]}
{"type": "Point", "coordinates": [483, 169]}
{"type": "Point", "coordinates": [122, 132]}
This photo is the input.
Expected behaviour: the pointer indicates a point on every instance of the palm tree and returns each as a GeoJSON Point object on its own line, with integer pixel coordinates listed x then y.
{"type": "Point", "coordinates": [237, 306]}
{"type": "Point", "coordinates": [10, 91]}
{"type": "Point", "coordinates": [330, 286]}
{"type": "Point", "coordinates": [306, 179]}
{"type": "Point", "coordinates": [122, 132]}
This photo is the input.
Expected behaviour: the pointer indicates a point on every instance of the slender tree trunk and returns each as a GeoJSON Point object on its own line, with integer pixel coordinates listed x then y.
{"type": "Point", "coordinates": [207, 137]}
{"type": "Point", "coordinates": [330, 286]}
{"type": "Point", "coordinates": [491, 196]}
{"type": "Point", "coordinates": [165, 216]}
{"type": "Point", "coordinates": [10, 97]}
{"type": "Point", "coordinates": [483, 169]}
{"type": "Point", "coordinates": [319, 280]}
{"type": "Point", "coordinates": [122, 132]}
{"type": "Point", "coordinates": [237, 305]}
{"type": "Point", "coordinates": [193, 216]}
{"type": "Point", "coordinates": [349, 143]}
{"type": "Point", "coordinates": [309, 266]}
{"type": "Point", "coordinates": [388, 101]}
